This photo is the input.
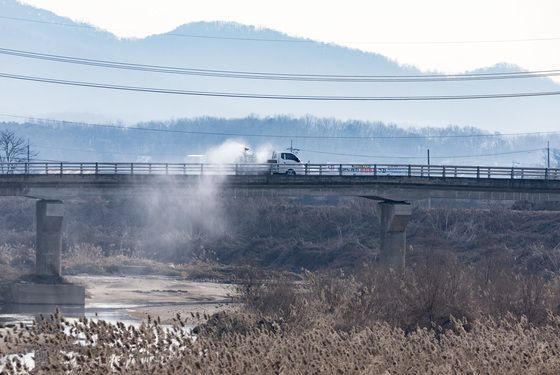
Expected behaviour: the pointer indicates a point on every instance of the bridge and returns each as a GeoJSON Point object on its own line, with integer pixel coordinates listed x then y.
{"type": "Point", "coordinates": [385, 182]}
{"type": "Point", "coordinates": [393, 185]}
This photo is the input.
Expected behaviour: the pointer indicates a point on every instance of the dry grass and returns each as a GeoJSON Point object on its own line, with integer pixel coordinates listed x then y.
{"type": "Point", "coordinates": [440, 317]}
{"type": "Point", "coordinates": [90, 259]}
{"type": "Point", "coordinates": [426, 295]}
{"type": "Point", "coordinates": [288, 235]}
{"type": "Point", "coordinates": [504, 346]}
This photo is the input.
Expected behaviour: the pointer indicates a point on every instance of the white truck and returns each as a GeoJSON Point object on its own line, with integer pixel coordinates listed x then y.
{"type": "Point", "coordinates": [285, 163]}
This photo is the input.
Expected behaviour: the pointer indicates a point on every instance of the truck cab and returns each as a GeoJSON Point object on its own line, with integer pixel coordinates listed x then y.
{"type": "Point", "coordinates": [285, 163]}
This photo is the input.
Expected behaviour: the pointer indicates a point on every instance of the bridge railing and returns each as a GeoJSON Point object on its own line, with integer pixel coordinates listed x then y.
{"type": "Point", "coordinates": [361, 169]}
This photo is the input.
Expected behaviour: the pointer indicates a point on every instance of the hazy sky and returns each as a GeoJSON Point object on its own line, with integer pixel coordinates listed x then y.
{"type": "Point", "coordinates": [402, 25]}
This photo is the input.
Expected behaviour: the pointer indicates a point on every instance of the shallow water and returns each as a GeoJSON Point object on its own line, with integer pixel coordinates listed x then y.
{"type": "Point", "coordinates": [12, 319]}
{"type": "Point", "coordinates": [111, 313]}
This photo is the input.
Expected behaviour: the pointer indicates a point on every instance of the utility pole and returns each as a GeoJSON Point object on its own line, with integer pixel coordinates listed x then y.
{"type": "Point", "coordinates": [548, 154]}
{"type": "Point", "coordinates": [292, 149]}
{"type": "Point", "coordinates": [28, 152]}
{"type": "Point", "coordinates": [430, 198]}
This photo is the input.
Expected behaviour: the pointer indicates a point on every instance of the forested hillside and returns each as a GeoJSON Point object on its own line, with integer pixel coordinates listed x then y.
{"type": "Point", "coordinates": [319, 140]}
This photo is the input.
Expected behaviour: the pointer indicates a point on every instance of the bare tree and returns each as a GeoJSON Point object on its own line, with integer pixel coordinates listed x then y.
{"type": "Point", "coordinates": [13, 149]}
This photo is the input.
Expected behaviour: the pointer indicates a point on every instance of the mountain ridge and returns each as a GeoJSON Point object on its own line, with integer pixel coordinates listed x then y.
{"type": "Point", "coordinates": [245, 30]}
{"type": "Point", "coordinates": [41, 100]}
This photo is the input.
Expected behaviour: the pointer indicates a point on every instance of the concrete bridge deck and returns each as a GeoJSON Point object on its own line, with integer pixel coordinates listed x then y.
{"type": "Point", "coordinates": [376, 181]}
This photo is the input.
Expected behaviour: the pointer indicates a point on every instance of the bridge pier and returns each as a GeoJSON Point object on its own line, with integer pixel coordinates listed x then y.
{"type": "Point", "coordinates": [49, 215]}
{"type": "Point", "coordinates": [394, 217]}
{"type": "Point", "coordinates": [46, 290]}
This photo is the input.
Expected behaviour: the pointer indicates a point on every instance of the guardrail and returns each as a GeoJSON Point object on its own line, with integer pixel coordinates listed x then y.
{"type": "Point", "coordinates": [410, 170]}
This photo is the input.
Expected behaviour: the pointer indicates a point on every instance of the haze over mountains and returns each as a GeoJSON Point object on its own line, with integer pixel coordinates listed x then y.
{"type": "Point", "coordinates": [179, 48]}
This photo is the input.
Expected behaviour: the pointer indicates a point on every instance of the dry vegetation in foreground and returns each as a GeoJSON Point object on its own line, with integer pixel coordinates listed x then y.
{"type": "Point", "coordinates": [500, 346]}
{"type": "Point", "coordinates": [440, 317]}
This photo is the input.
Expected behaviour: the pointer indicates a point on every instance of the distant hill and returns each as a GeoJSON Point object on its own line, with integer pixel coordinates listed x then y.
{"type": "Point", "coordinates": [177, 48]}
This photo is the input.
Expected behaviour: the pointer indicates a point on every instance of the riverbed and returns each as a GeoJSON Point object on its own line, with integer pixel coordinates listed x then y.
{"type": "Point", "coordinates": [130, 299]}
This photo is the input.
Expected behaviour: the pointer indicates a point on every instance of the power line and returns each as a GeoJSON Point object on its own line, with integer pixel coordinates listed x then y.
{"type": "Point", "coordinates": [276, 96]}
{"type": "Point", "coordinates": [278, 76]}
{"type": "Point", "coordinates": [309, 151]}
{"type": "Point", "coordinates": [48, 161]}
{"type": "Point", "coordinates": [21, 19]}
{"type": "Point", "coordinates": [314, 152]}
{"type": "Point", "coordinates": [289, 39]}
{"type": "Point", "coordinates": [287, 136]}
{"type": "Point", "coordinates": [423, 157]}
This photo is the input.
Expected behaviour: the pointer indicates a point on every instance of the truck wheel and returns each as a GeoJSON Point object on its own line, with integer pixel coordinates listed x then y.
{"type": "Point", "coordinates": [291, 172]}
